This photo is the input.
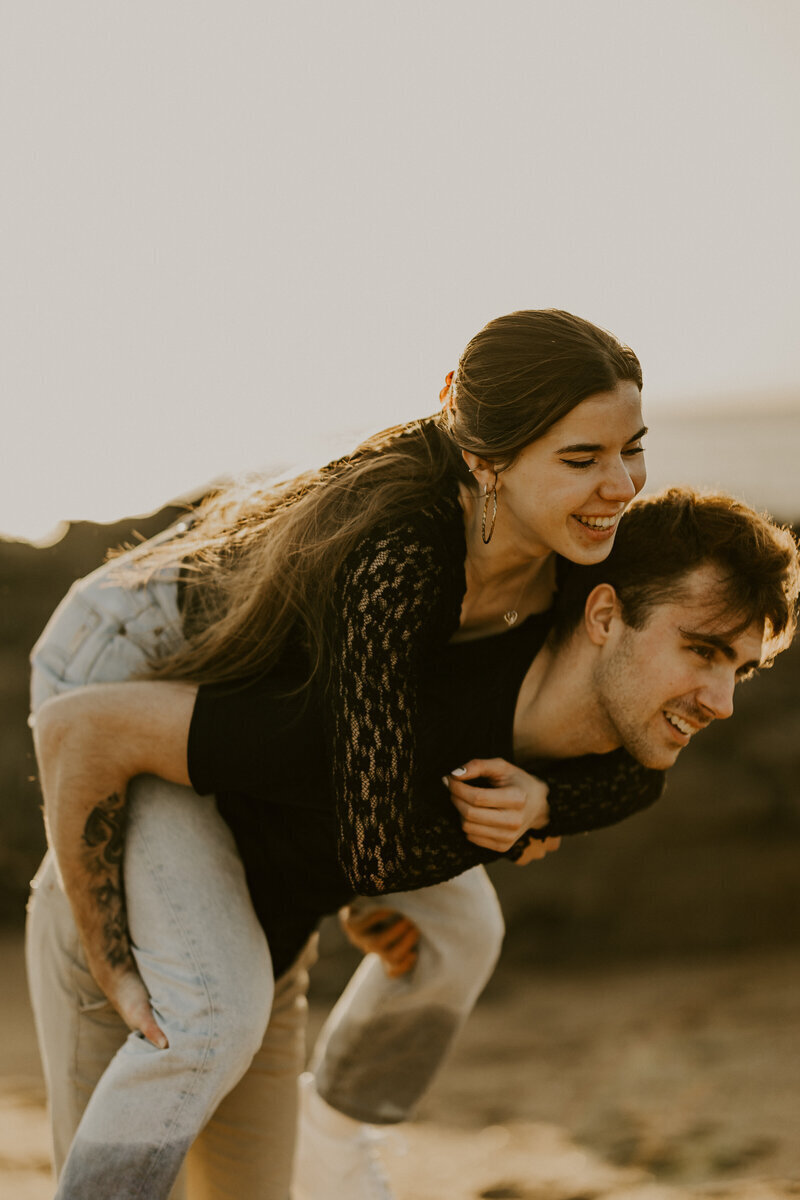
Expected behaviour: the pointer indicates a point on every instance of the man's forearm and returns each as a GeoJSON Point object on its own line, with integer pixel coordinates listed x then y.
{"type": "Point", "coordinates": [89, 744]}
{"type": "Point", "coordinates": [85, 816]}
{"type": "Point", "coordinates": [101, 851]}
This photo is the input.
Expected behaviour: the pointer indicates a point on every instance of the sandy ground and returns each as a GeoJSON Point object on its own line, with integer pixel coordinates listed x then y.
{"type": "Point", "coordinates": [640, 1083]}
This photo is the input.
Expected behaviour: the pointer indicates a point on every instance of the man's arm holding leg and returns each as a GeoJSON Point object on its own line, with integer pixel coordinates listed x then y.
{"type": "Point", "coordinates": [89, 744]}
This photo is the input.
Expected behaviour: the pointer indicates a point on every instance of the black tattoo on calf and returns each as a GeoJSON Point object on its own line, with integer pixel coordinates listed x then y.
{"type": "Point", "coordinates": [104, 842]}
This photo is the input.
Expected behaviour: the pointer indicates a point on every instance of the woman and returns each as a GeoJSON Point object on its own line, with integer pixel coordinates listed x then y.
{"type": "Point", "coordinates": [338, 588]}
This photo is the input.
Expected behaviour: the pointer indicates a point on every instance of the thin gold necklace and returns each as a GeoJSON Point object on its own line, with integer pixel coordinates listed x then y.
{"type": "Point", "coordinates": [511, 615]}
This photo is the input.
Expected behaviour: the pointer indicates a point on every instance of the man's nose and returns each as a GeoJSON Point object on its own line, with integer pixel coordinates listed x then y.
{"type": "Point", "coordinates": [617, 484]}
{"type": "Point", "coordinates": [716, 696]}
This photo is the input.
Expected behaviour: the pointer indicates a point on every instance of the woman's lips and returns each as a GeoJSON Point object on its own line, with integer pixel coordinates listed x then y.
{"type": "Point", "coordinates": [597, 528]}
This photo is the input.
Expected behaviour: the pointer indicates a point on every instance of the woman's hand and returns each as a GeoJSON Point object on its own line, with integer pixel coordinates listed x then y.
{"type": "Point", "coordinates": [382, 931]}
{"type": "Point", "coordinates": [496, 816]}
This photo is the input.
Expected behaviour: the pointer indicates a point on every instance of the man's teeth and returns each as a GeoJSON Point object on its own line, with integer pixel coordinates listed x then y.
{"type": "Point", "coordinates": [597, 522]}
{"type": "Point", "coordinates": [680, 724]}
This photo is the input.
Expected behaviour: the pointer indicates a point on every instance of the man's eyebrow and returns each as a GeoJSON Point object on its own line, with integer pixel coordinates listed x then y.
{"type": "Point", "coordinates": [709, 639]}
{"type": "Point", "coordinates": [719, 643]}
{"type": "Point", "coordinates": [586, 447]}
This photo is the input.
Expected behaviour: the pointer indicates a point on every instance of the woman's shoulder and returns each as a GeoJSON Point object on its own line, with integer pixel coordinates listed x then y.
{"type": "Point", "coordinates": [412, 565]}
{"type": "Point", "coordinates": [430, 530]}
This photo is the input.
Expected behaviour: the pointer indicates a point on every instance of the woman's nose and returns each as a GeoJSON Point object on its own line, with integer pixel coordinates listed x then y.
{"type": "Point", "coordinates": [618, 483]}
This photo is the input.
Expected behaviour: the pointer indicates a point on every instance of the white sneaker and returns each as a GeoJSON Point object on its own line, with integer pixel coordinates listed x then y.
{"type": "Point", "coordinates": [337, 1158]}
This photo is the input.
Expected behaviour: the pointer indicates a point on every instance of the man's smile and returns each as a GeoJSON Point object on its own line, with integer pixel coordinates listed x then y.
{"type": "Point", "coordinates": [681, 728]}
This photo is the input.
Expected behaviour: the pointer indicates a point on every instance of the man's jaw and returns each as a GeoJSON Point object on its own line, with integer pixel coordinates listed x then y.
{"type": "Point", "coordinates": [661, 751]}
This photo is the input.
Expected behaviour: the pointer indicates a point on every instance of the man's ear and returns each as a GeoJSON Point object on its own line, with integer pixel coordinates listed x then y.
{"type": "Point", "coordinates": [482, 471]}
{"type": "Point", "coordinates": [601, 610]}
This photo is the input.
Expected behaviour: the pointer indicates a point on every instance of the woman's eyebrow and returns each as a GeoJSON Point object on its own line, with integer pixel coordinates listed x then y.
{"type": "Point", "coordinates": [595, 446]}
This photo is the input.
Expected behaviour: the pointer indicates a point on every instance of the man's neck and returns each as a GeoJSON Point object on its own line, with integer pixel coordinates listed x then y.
{"type": "Point", "coordinates": [557, 713]}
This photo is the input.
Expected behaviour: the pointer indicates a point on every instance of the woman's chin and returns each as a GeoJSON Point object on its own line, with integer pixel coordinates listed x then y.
{"type": "Point", "coordinates": [588, 550]}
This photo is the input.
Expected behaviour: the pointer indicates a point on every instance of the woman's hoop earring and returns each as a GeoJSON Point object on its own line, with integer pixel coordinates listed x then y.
{"type": "Point", "coordinates": [486, 494]}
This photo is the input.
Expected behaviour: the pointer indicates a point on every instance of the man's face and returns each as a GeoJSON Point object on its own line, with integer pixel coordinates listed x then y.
{"type": "Point", "coordinates": [659, 685]}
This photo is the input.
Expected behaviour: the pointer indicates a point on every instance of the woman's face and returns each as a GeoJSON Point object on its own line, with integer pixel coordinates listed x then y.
{"type": "Point", "coordinates": [567, 490]}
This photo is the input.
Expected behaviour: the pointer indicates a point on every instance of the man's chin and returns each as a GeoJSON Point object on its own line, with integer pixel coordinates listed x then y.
{"type": "Point", "coordinates": [659, 758]}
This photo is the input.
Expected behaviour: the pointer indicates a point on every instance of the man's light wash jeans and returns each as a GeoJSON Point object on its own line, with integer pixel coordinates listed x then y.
{"type": "Point", "coordinates": [223, 1096]}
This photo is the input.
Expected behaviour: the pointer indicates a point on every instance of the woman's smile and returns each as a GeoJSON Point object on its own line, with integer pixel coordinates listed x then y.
{"type": "Point", "coordinates": [599, 527]}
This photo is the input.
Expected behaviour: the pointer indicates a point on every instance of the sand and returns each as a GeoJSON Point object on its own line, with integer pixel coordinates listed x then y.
{"type": "Point", "coordinates": [647, 1082]}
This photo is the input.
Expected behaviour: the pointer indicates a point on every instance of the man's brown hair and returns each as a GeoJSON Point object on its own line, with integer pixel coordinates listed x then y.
{"type": "Point", "coordinates": [664, 537]}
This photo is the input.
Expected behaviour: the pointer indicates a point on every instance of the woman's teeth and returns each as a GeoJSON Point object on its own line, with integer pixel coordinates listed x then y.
{"type": "Point", "coordinates": [598, 522]}
{"type": "Point", "coordinates": [680, 724]}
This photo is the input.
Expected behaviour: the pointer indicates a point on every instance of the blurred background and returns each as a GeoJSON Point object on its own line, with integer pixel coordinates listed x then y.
{"type": "Point", "coordinates": [240, 237]}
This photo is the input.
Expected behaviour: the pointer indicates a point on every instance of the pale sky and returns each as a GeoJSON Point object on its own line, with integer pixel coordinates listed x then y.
{"type": "Point", "coordinates": [243, 233]}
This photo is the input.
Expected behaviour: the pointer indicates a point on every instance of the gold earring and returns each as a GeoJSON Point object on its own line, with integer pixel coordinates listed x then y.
{"type": "Point", "coordinates": [486, 495]}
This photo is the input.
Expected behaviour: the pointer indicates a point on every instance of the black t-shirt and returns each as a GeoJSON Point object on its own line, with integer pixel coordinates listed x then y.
{"type": "Point", "coordinates": [262, 751]}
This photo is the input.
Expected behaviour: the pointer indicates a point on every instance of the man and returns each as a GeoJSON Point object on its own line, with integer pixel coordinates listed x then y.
{"type": "Point", "coordinates": [646, 651]}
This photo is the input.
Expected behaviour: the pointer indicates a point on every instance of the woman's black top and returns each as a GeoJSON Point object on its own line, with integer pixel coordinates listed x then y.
{"type": "Point", "coordinates": [341, 793]}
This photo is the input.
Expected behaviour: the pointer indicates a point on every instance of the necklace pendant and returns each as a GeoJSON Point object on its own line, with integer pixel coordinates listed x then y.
{"type": "Point", "coordinates": [510, 616]}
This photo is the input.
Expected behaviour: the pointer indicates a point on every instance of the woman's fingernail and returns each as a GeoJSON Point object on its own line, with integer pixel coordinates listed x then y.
{"type": "Point", "coordinates": [446, 780]}
{"type": "Point", "coordinates": [459, 771]}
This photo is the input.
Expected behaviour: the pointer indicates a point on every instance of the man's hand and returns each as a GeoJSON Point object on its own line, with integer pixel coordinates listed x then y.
{"type": "Point", "coordinates": [495, 816]}
{"type": "Point", "coordinates": [122, 984]}
{"type": "Point", "coordinates": [384, 932]}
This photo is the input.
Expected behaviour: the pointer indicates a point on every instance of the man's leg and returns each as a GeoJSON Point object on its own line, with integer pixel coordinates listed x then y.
{"type": "Point", "coordinates": [245, 1151]}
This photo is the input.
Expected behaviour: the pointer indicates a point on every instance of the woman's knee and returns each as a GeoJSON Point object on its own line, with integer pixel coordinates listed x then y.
{"type": "Point", "coordinates": [460, 921]}
{"type": "Point", "coordinates": [470, 945]}
{"type": "Point", "coordinates": [482, 926]}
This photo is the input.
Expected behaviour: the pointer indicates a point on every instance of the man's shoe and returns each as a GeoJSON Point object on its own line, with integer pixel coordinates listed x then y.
{"type": "Point", "coordinates": [337, 1158]}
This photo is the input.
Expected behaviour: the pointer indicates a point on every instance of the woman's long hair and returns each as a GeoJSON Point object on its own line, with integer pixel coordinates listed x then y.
{"type": "Point", "coordinates": [260, 564]}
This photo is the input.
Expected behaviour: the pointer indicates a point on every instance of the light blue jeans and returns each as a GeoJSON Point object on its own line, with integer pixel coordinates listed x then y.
{"type": "Point", "coordinates": [223, 1096]}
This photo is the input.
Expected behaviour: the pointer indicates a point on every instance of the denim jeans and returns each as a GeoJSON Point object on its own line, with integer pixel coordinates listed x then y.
{"type": "Point", "coordinates": [224, 1094]}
